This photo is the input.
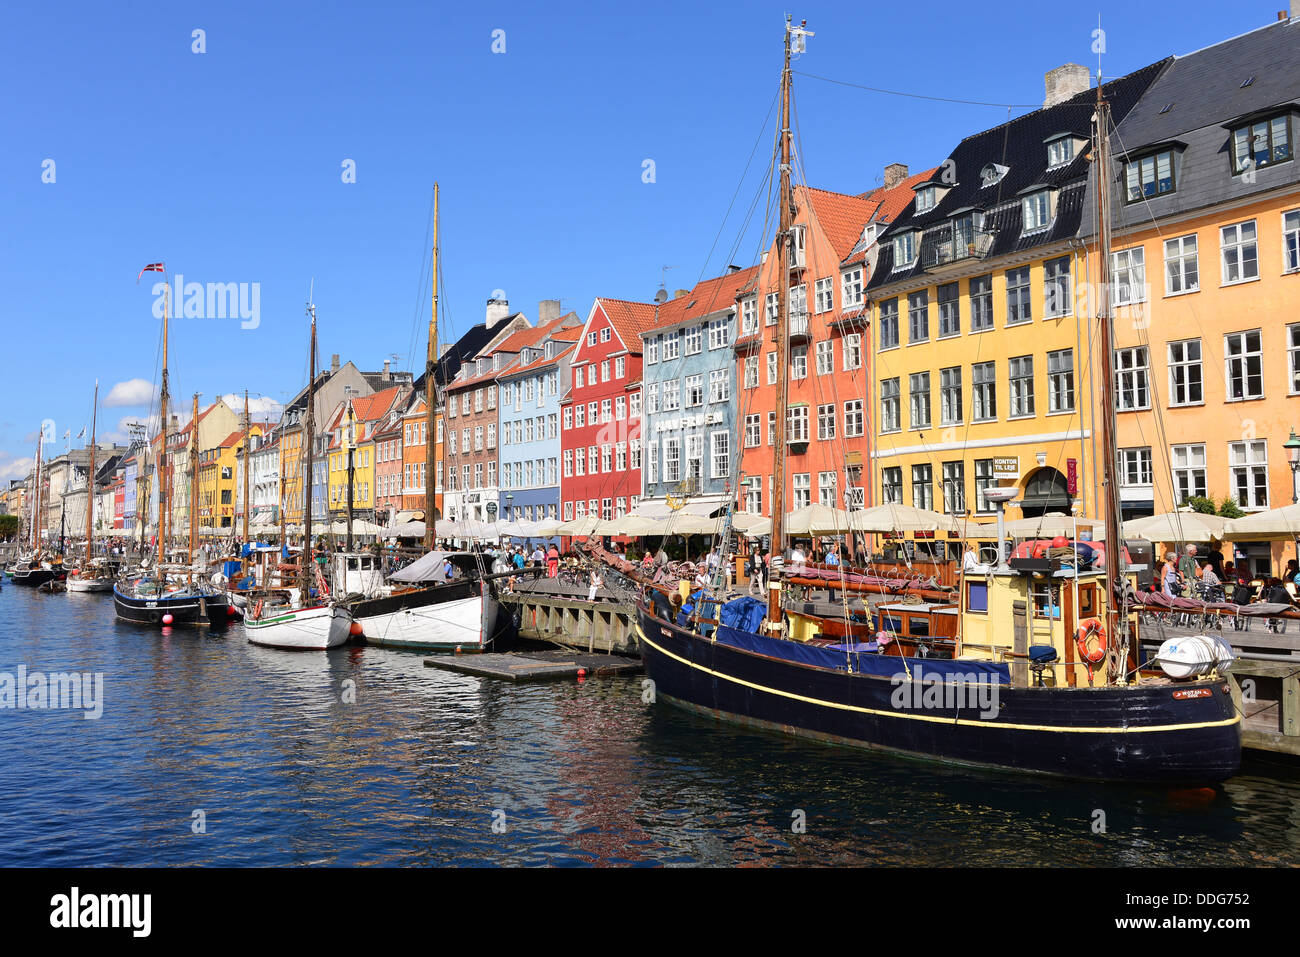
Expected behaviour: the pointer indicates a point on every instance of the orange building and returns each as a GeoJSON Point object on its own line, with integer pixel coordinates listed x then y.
{"type": "Point", "coordinates": [1205, 282]}
{"type": "Point", "coordinates": [827, 434]}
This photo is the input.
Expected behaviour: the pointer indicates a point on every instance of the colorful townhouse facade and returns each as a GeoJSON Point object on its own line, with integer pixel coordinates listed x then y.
{"type": "Point", "coordinates": [528, 427]}
{"type": "Point", "coordinates": [834, 245]}
{"type": "Point", "coordinates": [600, 453]}
{"type": "Point", "coordinates": [979, 304]}
{"type": "Point", "coordinates": [352, 426]}
{"type": "Point", "coordinates": [1205, 281]}
{"type": "Point", "coordinates": [690, 395]}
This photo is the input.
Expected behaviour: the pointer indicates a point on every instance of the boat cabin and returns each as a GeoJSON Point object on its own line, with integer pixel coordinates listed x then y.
{"type": "Point", "coordinates": [1017, 614]}
{"type": "Point", "coordinates": [356, 573]}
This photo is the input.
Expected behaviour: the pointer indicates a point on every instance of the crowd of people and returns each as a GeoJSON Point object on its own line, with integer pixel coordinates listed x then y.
{"type": "Point", "coordinates": [1213, 579]}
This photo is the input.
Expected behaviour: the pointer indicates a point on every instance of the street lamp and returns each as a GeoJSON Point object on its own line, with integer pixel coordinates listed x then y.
{"type": "Point", "coordinates": [1292, 446]}
{"type": "Point", "coordinates": [510, 507]}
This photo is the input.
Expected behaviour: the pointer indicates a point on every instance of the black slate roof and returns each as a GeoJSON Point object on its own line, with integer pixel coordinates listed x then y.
{"type": "Point", "coordinates": [1020, 145]}
{"type": "Point", "coordinates": [1190, 107]}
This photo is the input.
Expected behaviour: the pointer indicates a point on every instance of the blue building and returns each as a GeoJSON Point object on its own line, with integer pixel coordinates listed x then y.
{"type": "Point", "coordinates": [530, 390]}
{"type": "Point", "coordinates": [689, 372]}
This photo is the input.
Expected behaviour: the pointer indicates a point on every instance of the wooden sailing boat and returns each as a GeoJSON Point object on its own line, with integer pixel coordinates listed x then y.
{"type": "Point", "coordinates": [32, 572]}
{"type": "Point", "coordinates": [460, 615]}
{"type": "Point", "coordinates": [298, 619]}
{"type": "Point", "coordinates": [158, 599]}
{"type": "Point", "coordinates": [90, 577]}
{"type": "Point", "coordinates": [1032, 682]}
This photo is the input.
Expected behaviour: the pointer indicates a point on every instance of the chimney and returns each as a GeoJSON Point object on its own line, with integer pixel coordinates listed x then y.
{"type": "Point", "coordinates": [732, 268]}
{"type": "Point", "coordinates": [1282, 15]}
{"type": "Point", "coordinates": [548, 310]}
{"type": "Point", "coordinates": [1065, 82]}
{"type": "Point", "coordinates": [497, 309]}
{"type": "Point", "coordinates": [388, 376]}
{"type": "Point", "coordinates": [334, 363]}
{"type": "Point", "coordinates": [895, 173]}
{"type": "Point", "coordinates": [680, 292]}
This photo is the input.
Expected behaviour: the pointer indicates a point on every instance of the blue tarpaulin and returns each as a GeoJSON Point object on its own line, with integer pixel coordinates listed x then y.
{"type": "Point", "coordinates": [744, 614]}
{"type": "Point", "coordinates": [886, 666]}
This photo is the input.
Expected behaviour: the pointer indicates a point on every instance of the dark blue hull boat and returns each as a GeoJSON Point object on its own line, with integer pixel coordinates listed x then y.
{"type": "Point", "coordinates": [1188, 733]}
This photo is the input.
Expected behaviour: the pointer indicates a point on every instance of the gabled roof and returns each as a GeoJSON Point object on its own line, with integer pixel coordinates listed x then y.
{"type": "Point", "coordinates": [628, 319]}
{"type": "Point", "coordinates": [371, 407]}
{"type": "Point", "coordinates": [840, 216]}
{"type": "Point", "coordinates": [708, 297]}
{"type": "Point", "coordinates": [1191, 108]}
{"type": "Point", "coordinates": [1019, 145]}
{"type": "Point", "coordinates": [889, 203]}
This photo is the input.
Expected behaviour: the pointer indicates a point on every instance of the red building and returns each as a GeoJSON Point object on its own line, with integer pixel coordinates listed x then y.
{"type": "Point", "coordinates": [600, 451]}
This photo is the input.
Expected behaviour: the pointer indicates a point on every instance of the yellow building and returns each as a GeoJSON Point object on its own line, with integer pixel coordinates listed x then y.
{"type": "Point", "coordinates": [977, 298]}
{"type": "Point", "coordinates": [218, 472]}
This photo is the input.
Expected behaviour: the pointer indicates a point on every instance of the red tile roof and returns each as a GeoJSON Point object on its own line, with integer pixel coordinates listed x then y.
{"type": "Point", "coordinates": [888, 204]}
{"type": "Point", "coordinates": [371, 407]}
{"type": "Point", "coordinates": [630, 319]}
{"type": "Point", "coordinates": [707, 297]}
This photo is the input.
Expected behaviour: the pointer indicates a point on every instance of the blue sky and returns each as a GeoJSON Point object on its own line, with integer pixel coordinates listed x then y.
{"type": "Point", "coordinates": [228, 164]}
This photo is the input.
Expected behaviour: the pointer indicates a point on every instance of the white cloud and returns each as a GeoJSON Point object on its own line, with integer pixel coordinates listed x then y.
{"type": "Point", "coordinates": [260, 408]}
{"type": "Point", "coordinates": [130, 393]}
{"type": "Point", "coordinates": [15, 468]}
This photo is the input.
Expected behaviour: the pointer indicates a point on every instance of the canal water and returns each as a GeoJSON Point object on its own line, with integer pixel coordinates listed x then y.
{"type": "Point", "coordinates": [212, 751]}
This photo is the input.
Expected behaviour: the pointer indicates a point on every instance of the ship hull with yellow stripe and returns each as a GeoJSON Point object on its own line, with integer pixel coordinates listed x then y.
{"type": "Point", "coordinates": [1139, 734]}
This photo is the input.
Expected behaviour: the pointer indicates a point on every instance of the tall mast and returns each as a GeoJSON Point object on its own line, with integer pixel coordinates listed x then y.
{"type": "Point", "coordinates": [163, 490]}
{"type": "Point", "coordinates": [351, 434]}
{"type": "Point", "coordinates": [1116, 621]}
{"type": "Point", "coordinates": [193, 511]}
{"type": "Point", "coordinates": [309, 437]}
{"type": "Point", "coordinates": [247, 440]}
{"type": "Point", "coordinates": [90, 477]}
{"type": "Point", "coordinates": [430, 394]}
{"type": "Point", "coordinates": [782, 347]}
{"type": "Point", "coordinates": [36, 503]}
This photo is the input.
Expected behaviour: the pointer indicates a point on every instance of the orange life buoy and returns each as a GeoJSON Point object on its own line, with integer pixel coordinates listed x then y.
{"type": "Point", "coordinates": [257, 609]}
{"type": "Point", "coordinates": [1091, 628]}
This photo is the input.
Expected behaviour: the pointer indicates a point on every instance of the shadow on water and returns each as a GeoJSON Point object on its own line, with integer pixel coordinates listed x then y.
{"type": "Point", "coordinates": [365, 756]}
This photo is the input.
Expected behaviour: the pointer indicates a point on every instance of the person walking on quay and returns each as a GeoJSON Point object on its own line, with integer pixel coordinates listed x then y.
{"type": "Point", "coordinates": [552, 561]}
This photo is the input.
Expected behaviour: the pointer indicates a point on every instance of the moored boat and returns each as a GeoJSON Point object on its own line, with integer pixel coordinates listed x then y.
{"type": "Point", "coordinates": [280, 620]}
{"type": "Point", "coordinates": [1039, 673]}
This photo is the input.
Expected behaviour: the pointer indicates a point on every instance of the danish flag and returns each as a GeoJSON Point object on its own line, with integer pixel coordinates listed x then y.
{"type": "Point", "coordinates": [152, 267]}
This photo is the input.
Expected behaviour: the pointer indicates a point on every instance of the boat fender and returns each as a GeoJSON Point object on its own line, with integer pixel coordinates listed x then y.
{"type": "Point", "coordinates": [1091, 628]}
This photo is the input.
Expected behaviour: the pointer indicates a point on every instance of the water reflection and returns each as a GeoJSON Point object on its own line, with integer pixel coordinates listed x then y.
{"type": "Point", "coordinates": [365, 756]}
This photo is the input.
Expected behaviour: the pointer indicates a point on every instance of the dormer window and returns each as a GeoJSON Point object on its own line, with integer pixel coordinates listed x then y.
{"type": "Point", "coordinates": [1037, 208]}
{"type": "Point", "coordinates": [1262, 142]}
{"type": "Point", "coordinates": [1149, 176]}
{"type": "Point", "coordinates": [904, 249]}
{"type": "Point", "coordinates": [550, 350]}
{"type": "Point", "coordinates": [926, 198]}
{"type": "Point", "coordinates": [496, 362]}
{"type": "Point", "coordinates": [992, 174]}
{"type": "Point", "coordinates": [1060, 150]}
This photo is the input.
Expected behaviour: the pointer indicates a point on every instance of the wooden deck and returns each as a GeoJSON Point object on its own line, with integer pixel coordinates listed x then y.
{"type": "Point", "coordinates": [536, 665]}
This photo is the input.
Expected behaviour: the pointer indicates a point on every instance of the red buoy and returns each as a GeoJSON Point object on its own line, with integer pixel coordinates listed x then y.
{"type": "Point", "coordinates": [230, 611]}
{"type": "Point", "coordinates": [167, 619]}
{"type": "Point", "coordinates": [582, 673]}
{"type": "Point", "coordinates": [1060, 541]}
{"type": "Point", "coordinates": [355, 629]}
